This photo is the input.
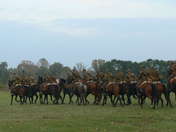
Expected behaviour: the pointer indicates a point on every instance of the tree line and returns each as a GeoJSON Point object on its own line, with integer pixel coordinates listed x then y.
{"type": "Point", "coordinates": [43, 68]}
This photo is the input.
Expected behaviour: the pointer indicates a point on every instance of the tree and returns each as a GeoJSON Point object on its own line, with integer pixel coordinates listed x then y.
{"type": "Point", "coordinates": [98, 64]}
{"type": "Point", "coordinates": [4, 74]}
{"type": "Point", "coordinates": [43, 63]}
{"type": "Point", "coordinates": [56, 69]}
{"type": "Point", "coordinates": [80, 67]}
{"type": "Point", "coordinates": [27, 68]}
{"type": "Point", "coordinates": [42, 71]}
{"type": "Point", "coordinates": [66, 72]}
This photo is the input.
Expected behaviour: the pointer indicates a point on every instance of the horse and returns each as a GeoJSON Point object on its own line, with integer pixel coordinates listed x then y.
{"type": "Point", "coordinates": [80, 90]}
{"type": "Point", "coordinates": [18, 90]}
{"type": "Point", "coordinates": [94, 88]}
{"type": "Point", "coordinates": [147, 89]}
{"type": "Point", "coordinates": [172, 85]}
{"type": "Point", "coordinates": [52, 89]}
{"type": "Point", "coordinates": [33, 91]}
{"type": "Point", "coordinates": [161, 88]}
{"type": "Point", "coordinates": [113, 89]}
{"type": "Point", "coordinates": [131, 90]}
{"type": "Point", "coordinates": [68, 90]}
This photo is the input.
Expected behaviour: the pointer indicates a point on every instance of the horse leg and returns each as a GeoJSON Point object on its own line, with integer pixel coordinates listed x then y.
{"type": "Point", "coordinates": [60, 97]}
{"type": "Point", "coordinates": [116, 99]}
{"type": "Point", "coordinates": [26, 99]}
{"type": "Point", "coordinates": [11, 99]}
{"type": "Point", "coordinates": [155, 101]}
{"type": "Point", "coordinates": [78, 100]}
{"type": "Point", "coordinates": [119, 98]}
{"type": "Point", "coordinates": [16, 98]}
{"type": "Point", "coordinates": [41, 98]}
{"type": "Point", "coordinates": [161, 101]}
{"type": "Point", "coordinates": [63, 99]}
{"type": "Point", "coordinates": [129, 99]}
{"type": "Point", "coordinates": [114, 103]}
{"type": "Point", "coordinates": [70, 97]}
{"type": "Point", "coordinates": [45, 99]}
{"type": "Point", "coordinates": [36, 98]}
{"type": "Point", "coordinates": [139, 100]}
{"type": "Point", "coordinates": [112, 100]}
{"type": "Point", "coordinates": [123, 99]}
{"type": "Point", "coordinates": [47, 102]}
{"type": "Point", "coordinates": [142, 101]}
{"type": "Point", "coordinates": [57, 99]}
{"type": "Point", "coordinates": [167, 97]}
{"type": "Point", "coordinates": [104, 99]}
{"type": "Point", "coordinates": [21, 101]}
{"type": "Point", "coordinates": [86, 98]}
{"type": "Point", "coordinates": [81, 99]}
{"type": "Point", "coordinates": [94, 99]}
{"type": "Point", "coordinates": [32, 99]}
{"type": "Point", "coordinates": [51, 98]}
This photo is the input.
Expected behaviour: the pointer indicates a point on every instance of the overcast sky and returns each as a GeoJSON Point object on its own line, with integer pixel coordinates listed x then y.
{"type": "Point", "coordinates": [71, 31]}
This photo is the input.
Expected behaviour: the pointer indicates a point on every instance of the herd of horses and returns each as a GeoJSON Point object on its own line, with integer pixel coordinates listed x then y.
{"type": "Point", "coordinates": [117, 92]}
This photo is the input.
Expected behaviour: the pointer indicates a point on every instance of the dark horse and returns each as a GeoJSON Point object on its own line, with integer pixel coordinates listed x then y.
{"type": "Point", "coordinates": [131, 90]}
{"type": "Point", "coordinates": [67, 88]}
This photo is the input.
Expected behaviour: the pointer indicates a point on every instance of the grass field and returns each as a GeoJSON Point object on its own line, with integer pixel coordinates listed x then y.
{"type": "Point", "coordinates": [90, 118]}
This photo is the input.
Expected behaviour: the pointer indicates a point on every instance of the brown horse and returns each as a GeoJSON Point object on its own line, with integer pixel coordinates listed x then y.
{"type": "Point", "coordinates": [113, 90]}
{"type": "Point", "coordinates": [68, 90]}
{"type": "Point", "coordinates": [54, 90]}
{"type": "Point", "coordinates": [172, 85]}
{"type": "Point", "coordinates": [146, 89]}
{"type": "Point", "coordinates": [94, 89]}
{"type": "Point", "coordinates": [18, 90]}
{"type": "Point", "coordinates": [80, 90]}
{"type": "Point", "coordinates": [162, 90]}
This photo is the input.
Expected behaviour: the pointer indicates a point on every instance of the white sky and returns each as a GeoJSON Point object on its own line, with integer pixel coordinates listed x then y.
{"type": "Point", "coordinates": [45, 11]}
{"type": "Point", "coordinates": [32, 25]}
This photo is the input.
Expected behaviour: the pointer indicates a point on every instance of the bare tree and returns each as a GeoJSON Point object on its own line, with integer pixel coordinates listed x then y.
{"type": "Point", "coordinates": [97, 64]}
{"type": "Point", "coordinates": [80, 67]}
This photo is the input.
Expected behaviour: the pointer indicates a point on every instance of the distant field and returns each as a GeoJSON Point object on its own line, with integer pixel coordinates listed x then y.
{"type": "Point", "coordinates": [90, 118]}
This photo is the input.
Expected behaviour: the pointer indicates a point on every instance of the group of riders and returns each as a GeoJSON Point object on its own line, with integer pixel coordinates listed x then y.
{"type": "Point", "coordinates": [117, 87]}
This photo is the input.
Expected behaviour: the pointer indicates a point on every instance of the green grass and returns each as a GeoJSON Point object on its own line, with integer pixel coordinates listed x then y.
{"type": "Point", "coordinates": [90, 118]}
